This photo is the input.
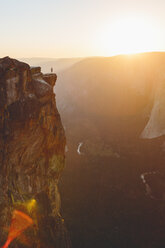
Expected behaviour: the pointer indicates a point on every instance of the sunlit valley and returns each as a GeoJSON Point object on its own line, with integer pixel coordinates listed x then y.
{"type": "Point", "coordinates": [112, 188]}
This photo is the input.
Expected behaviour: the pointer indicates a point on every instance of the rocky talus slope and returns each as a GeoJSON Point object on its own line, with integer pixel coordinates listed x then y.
{"type": "Point", "coordinates": [32, 144]}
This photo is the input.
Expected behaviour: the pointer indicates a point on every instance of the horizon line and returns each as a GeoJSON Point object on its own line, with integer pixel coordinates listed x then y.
{"type": "Point", "coordinates": [94, 56]}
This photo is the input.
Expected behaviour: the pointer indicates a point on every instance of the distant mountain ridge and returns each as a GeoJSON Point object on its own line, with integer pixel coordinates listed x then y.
{"type": "Point", "coordinates": [120, 85]}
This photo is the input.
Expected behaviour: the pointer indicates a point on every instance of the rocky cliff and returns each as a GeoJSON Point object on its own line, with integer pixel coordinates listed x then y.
{"type": "Point", "coordinates": [32, 144]}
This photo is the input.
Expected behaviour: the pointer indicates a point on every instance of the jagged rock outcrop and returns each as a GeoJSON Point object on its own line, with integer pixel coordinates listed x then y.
{"type": "Point", "coordinates": [32, 144]}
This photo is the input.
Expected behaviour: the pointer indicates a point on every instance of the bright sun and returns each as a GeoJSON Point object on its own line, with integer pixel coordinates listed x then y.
{"type": "Point", "coordinates": [127, 36]}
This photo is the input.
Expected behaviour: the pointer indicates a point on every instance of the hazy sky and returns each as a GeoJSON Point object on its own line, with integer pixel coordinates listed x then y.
{"type": "Point", "coordinates": [73, 28]}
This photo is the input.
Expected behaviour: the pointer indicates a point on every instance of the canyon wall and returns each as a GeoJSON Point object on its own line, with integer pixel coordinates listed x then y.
{"type": "Point", "coordinates": [32, 145]}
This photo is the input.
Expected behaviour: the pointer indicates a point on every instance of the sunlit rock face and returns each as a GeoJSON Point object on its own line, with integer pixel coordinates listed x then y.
{"type": "Point", "coordinates": [156, 124]}
{"type": "Point", "coordinates": [32, 145]}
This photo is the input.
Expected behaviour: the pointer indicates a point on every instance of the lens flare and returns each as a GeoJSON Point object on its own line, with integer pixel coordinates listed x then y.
{"type": "Point", "coordinates": [31, 205]}
{"type": "Point", "coordinates": [19, 223]}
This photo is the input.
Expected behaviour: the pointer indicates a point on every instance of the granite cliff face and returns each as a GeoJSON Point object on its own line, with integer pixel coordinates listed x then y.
{"type": "Point", "coordinates": [32, 144]}
{"type": "Point", "coordinates": [156, 124]}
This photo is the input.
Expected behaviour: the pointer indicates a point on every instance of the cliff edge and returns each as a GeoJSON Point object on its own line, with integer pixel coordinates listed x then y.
{"type": "Point", "coordinates": [32, 145]}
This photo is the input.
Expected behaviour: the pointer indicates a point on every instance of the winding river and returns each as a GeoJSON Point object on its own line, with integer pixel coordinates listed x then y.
{"type": "Point", "coordinates": [78, 149]}
{"type": "Point", "coordinates": [147, 186]}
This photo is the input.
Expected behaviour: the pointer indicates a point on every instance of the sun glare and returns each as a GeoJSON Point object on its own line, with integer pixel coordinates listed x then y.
{"type": "Point", "coordinates": [128, 36]}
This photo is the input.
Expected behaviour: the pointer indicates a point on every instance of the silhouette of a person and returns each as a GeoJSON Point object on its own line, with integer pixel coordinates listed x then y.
{"type": "Point", "coordinates": [51, 69]}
